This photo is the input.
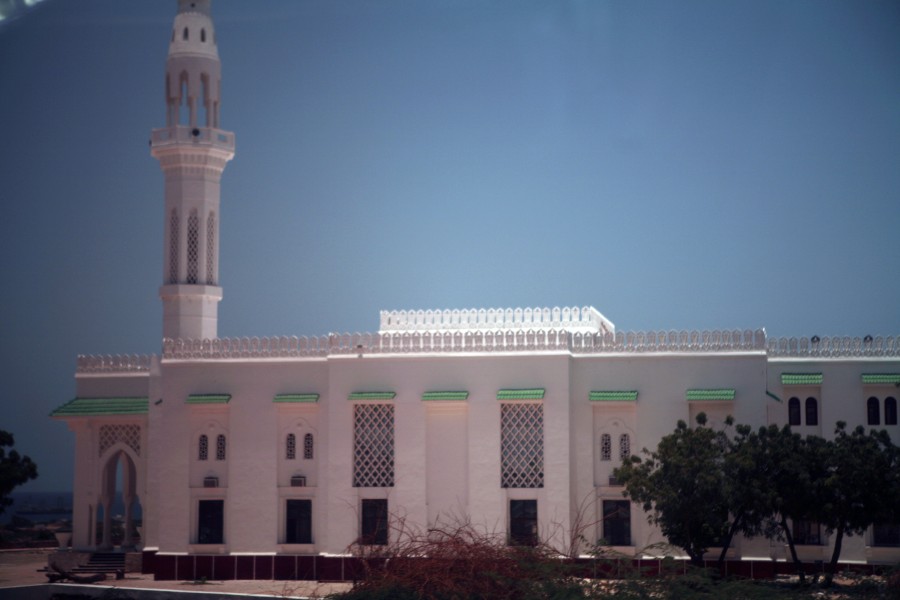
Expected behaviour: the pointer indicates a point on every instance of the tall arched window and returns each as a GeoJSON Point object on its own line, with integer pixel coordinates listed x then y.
{"type": "Point", "coordinates": [220, 447]}
{"type": "Point", "coordinates": [203, 448]}
{"type": "Point", "coordinates": [202, 35]}
{"type": "Point", "coordinates": [794, 411]}
{"type": "Point", "coordinates": [308, 446]}
{"type": "Point", "coordinates": [812, 411]}
{"type": "Point", "coordinates": [890, 411]}
{"type": "Point", "coordinates": [624, 447]}
{"type": "Point", "coordinates": [605, 447]}
{"type": "Point", "coordinates": [184, 34]}
{"type": "Point", "coordinates": [290, 447]}
{"type": "Point", "coordinates": [873, 411]}
{"type": "Point", "coordinates": [193, 250]}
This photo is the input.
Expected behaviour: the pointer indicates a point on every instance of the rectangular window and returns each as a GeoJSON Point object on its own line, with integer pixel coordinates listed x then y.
{"type": "Point", "coordinates": [211, 522]}
{"type": "Point", "coordinates": [374, 522]}
{"type": "Point", "coordinates": [373, 445]}
{"type": "Point", "coordinates": [298, 522]}
{"type": "Point", "coordinates": [523, 523]}
{"type": "Point", "coordinates": [522, 445]}
{"type": "Point", "coordinates": [886, 534]}
{"type": "Point", "coordinates": [807, 533]}
{"type": "Point", "coordinates": [617, 522]}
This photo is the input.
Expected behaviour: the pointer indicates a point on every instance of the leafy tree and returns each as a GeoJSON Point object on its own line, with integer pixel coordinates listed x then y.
{"type": "Point", "coordinates": [14, 469]}
{"type": "Point", "coordinates": [681, 486]}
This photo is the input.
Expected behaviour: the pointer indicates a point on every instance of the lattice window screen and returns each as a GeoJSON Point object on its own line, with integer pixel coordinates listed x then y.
{"type": "Point", "coordinates": [203, 448]}
{"type": "Point", "coordinates": [624, 447]}
{"type": "Point", "coordinates": [211, 249]}
{"type": "Point", "coordinates": [291, 447]}
{"type": "Point", "coordinates": [220, 447]}
{"type": "Point", "coordinates": [130, 435]}
{"type": "Point", "coordinates": [193, 250]}
{"type": "Point", "coordinates": [174, 232]}
{"type": "Point", "coordinates": [373, 445]}
{"type": "Point", "coordinates": [308, 446]}
{"type": "Point", "coordinates": [605, 447]}
{"type": "Point", "coordinates": [522, 445]}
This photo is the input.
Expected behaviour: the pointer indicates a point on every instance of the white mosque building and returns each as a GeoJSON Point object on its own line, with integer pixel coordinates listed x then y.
{"type": "Point", "coordinates": [511, 418]}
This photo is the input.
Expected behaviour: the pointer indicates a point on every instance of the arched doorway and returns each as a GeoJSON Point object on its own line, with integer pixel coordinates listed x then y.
{"type": "Point", "coordinates": [118, 502]}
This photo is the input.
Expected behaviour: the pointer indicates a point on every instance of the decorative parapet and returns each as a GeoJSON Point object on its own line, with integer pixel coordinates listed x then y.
{"type": "Point", "coordinates": [119, 363]}
{"type": "Point", "coordinates": [256, 347]}
{"type": "Point", "coordinates": [834, 347]}
{"type": "Point", "coordinates": [584, 319]}
{"type": "Point", "coordinates": [670, 341]}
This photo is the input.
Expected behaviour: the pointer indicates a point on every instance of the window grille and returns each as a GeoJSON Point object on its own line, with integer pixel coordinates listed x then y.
{"type": "Point", "coordinates": [130, 435]}
{"type": "Point", "coordinates": [624, 447]}
{"type": "Point", "coordinates": [373, 445]}
{"type": "Point", "coordinates": [220, 447]}
{"type": "Point", "coordinates": [193, 251]}
{"type": "Point", "coordinates": [211, 249]}
{"type": "Point", "coordinates": [522, 445]}
{"type": "Point", "coordinates": [174, 231]}
{"type": "Point", "coordinates": [291, 447]}
{"type": "Point", "coordinates": [308, 446]}
{"type": "Point", "coordinates": [605, 447]}
{"type": "Point", "coordinates": [203, 448]}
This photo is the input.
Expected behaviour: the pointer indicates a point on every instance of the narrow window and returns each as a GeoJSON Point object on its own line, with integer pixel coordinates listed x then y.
{"type": "Point", "coordinates": [193, 250]}
{"type": "Point", "coordinates": [373, 445]}
{"type": "Point", "coordinates": [203, 35]}
{"type": "Point", "coordinates": [812, 411]}
{"type": "Point", "coordinates": [173, 246]}
{"type": "Point", "coordinates": [807, 533]}
{"type": "Point", "coordinates": [211, 522]}
{"type": "Point", "coordinates": [605, 447]}
{"type": "Point", "coordinates": [298, 522]}
{"type": "Point", "coordinates": [522, 445]}
{"type": "Point", "coordinates": [211, 249]}
{"type": "Point", "coordinates": [617, 522]}
{"type": "Point", "coordinates": [873, 411]}
{"type": "Point", "coordinates": [203, 448]}
{"type": "Point", "coordinates": [374, 523]}
{"type": "Point", "coordinates": [308, 446]}
{"type": "Point", "coordinates": [523, 523]}
{"type": "Point", "coordinates": [184, 34]}
{"type": "Point", "coordinates": [290, 447]}
{"type": "Point", "coordinates": [220, 447]}
{"type": "Point", "coordinates": [890, 411]}
{"type": "Point", "coordinates": [624, 447]}
{"type": "Point", "coordinates": [794, 411]}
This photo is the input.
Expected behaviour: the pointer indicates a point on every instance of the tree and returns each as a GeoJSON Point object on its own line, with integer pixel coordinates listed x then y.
{"type": "Point", "coordinates": [14, 469]}
{"type": "Point", "coordinates": [681, 487]}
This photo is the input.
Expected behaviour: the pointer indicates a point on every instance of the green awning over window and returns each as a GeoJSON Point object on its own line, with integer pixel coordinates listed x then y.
{"type": "Point", "coordinates": [296, 398]}
{"type": "Point", "coordinates": [883, 378]}
{"type": "Point", "coordinates": [434, 396]}
{"type": "Point", "coordinates": [526, 394]}
{"type": "Point", "coordinates": [613, 396]}
{"type": "Point", "coordinates": [208, 398]}
{"type": "Point", "coordinates": [89, 407]}
{"type": "Point", "coordinates": [372, 396]}
{"type": "Point", "coordinates": [716, 395]}
{"type": "Point", "coordinates": [801, 379]}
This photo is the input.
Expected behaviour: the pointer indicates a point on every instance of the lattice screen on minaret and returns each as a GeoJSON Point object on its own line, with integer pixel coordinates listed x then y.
{"type": "Point", "coordinates": [110, 435]}
{"type": "Point", "coordinates": [210, 249]}
{"type": "Point", "coordinates": [173, 246]}
{"type": "Point", "coordinates": [373, 445]}
{"type": "Point", "coordinates": [193, 249]}
{"type": "Point", "coordinates": [522, 445]}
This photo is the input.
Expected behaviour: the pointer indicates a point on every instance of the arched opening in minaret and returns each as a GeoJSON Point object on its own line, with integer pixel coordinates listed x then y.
{"type": "Point", "coordinates": [185, 35]}
{"type": "Point", "coordinates": [184, 101]}
{"type": "Point", "coordinates": [205, 101]}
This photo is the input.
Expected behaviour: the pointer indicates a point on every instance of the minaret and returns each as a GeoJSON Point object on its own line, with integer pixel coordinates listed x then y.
{"type": "Point", "coordinates": [192, 152]}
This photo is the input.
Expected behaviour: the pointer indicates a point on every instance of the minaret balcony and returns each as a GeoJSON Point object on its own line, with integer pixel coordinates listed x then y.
{"type": "Point", "coordinates": [198, 136]}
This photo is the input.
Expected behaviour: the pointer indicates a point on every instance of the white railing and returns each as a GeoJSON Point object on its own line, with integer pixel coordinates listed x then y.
{"type": "Point", "coordinates": [830, 347]}
{"type": "Point", "coordinates": [119, 363]}
{"type": "Point", "coordinates": [492, 319]}
{"type": "Point", "coordinates": [197, 135]}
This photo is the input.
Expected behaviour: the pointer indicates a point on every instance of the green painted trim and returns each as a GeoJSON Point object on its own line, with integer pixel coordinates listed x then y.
{"type": "Point", "coordinates": [613, 396]}
{"type": "Point", "coordinates": [801, 379]}
{"type": "Point", "coordinates": [89, 407]}
{"type": "Point", "coordinates": [208, 399]}
{"type": "Point", "coordinates": [431, 396]}
{"type": "Point", "coordinates": [372, 396]}
{"type": "Point", "coordinates": [715, 395]}
{"type": "Point", "coordinates": [881, 378]}
{"type": "Point", "coordinates": [296, 398]}
{"type": "Point", "coordinates": [526, 394]}
{"type": "Point", "coordinates": [771, 395]}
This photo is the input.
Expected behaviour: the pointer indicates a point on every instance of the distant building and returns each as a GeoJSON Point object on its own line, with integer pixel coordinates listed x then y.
{"type": "Point", "coordinates": [512, 418]}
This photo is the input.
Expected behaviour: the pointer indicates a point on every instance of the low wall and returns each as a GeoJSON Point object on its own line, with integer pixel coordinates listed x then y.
{"type": "Point", "coordinates": [47, 591]}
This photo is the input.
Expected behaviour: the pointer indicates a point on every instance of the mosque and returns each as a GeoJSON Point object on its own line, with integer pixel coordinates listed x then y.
{"type": "Point", "coordinates": [513, 419]}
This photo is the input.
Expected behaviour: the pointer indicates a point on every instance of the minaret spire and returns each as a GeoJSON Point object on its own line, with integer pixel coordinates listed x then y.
{"type": "Point", "coordinates": [192, 152]}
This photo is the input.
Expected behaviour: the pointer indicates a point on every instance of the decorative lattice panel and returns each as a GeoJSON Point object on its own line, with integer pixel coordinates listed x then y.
{"type": "Point", "coordinates": [110, 435]}
{"type": "Point", "coordinates": [203, 448]}
{"type": "Point", "coordinates": [308, 446]}
{"type": "Point", "coordinates": [624, 446]}
{"type": "Point", "coordinates": [522, 445]}
{"type": "Point", "coordinates": [605, 447]}
{"type": "Point", "coordinates": [193, 250]}
{"type": "Point", "coordinates": [174, 232]}
{"type": "Point", "coordinates": [291, 447]}
{"type": "Point", "coordinates": [220, 447]}
{"type": "Point", "coordinates": [373, 445]}
{"type": "Point", "coordinates": [211, 249]}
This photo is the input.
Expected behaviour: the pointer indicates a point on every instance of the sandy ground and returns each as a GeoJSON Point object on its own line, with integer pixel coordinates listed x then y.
{"type": "Point", "coordinates": [20, 567]}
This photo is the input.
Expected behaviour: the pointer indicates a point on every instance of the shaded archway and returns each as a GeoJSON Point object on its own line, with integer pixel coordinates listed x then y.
{"type": "Point", "coordinates": [118, 475]}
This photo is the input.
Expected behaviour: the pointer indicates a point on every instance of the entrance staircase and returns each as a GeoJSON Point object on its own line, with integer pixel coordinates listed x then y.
{"type": "Point", "coordinates": [103, 562]}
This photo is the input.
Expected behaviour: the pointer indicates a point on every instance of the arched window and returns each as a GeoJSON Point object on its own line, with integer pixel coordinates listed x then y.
{"type": "Point", "coordinates": [184, 34]}
{"type": "Point", "coordinates": [220, 447]}
{"type": "Point", "coordinates": [890, 411]}
{"type": "Point", "coordinates": [174, 232]}
{"type": "Point", "coordinates": [193, 250]}
{"type": "Point", "coordinates": [812, 411]}
{"type": "Point", "coordinates": [308, 446]}
{"type": "Point", "coordinates": [624, 447]}
{"type": "Point", "coordinates": [794, 411]}
{"type": "Point", "coordinates": [203, 448]}
{"type": "Point", "coordinates": [873, 411]}
{"type": "Point", "coordinates": [290, 447]}
{"type": "Point", "coordinates": [211, 249]}
{"type": "Point", "coordinates": [202, 35]}
{"type": "Point", "coordinates": [605, 447]}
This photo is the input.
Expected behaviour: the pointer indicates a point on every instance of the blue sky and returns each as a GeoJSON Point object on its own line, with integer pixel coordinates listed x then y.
{"type": "Point", "coordinates": [677, 165]}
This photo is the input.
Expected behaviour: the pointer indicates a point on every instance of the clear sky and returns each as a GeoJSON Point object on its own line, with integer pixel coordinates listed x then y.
{"type": "Point", "coordinates": [677, 165]}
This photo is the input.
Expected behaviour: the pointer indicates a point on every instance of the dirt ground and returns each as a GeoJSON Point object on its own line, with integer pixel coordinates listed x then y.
{"type": "Point", "coordinates": [20, 567]}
